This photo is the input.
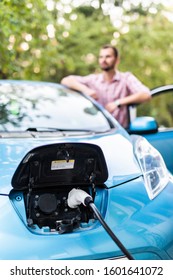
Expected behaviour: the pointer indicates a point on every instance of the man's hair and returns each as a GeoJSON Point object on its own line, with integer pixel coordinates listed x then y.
{"type": "Point", "coordinates": [108, 46]}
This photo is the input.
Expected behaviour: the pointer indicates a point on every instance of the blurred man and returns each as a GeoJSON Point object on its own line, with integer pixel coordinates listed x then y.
{"type": "Point", "coordinates": [113, 89]}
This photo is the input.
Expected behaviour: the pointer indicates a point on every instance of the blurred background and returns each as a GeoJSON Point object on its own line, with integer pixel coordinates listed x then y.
{"type": "Point", "coordinates": [49, 39]}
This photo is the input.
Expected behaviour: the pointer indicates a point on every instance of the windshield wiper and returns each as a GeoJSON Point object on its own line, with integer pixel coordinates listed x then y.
{"type": "Point", "coordinates": [63, 131]}
{"type": "Point", "coordinates": [41, 129]}
{"type": "Point", "coordinates": [52, 129]}
{"type": "Point", "coordinates": [47, 132]}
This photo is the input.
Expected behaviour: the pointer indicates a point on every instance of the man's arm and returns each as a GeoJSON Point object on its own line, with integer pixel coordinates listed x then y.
{"type": "Point", "coordinates": [73, 83]}
{"type": "Point", "coordinates": [138, 93]}
{"type": "Point", "coordinates": [136, 98]}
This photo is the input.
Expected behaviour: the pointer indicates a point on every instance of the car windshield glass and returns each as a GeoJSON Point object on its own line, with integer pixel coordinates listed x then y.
{"type": "Point", "coordinates": [25, 104]}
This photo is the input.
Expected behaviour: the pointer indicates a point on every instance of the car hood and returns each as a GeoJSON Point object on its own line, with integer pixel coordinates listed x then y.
{"type": "Point", "coordinates": [117, 150]}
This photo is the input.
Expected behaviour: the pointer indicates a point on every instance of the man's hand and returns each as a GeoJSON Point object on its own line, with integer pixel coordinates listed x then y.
{"type": "Point", "coordinates": [91, 93]}
{"type": "Point", "coordinates": [110, 107]}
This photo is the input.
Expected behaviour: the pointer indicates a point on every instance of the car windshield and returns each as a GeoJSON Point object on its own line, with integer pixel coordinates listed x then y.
{"type": "Point", "coordinates": [25, 105]}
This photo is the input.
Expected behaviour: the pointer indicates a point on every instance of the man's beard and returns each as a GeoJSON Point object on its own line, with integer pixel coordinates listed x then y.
{"type": "Point", "coordinates": [107, 68]}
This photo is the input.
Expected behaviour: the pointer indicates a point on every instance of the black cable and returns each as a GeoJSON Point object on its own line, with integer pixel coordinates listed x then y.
{"type": "Point", "coordinates": [109, 231]}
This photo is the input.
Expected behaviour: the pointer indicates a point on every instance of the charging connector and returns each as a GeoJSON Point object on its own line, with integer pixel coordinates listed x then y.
{"type": "Point", "coordinates": [76, 197]}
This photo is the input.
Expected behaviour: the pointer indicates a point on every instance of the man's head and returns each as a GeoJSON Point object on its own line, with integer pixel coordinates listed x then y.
{"type": "Point", "coordinates": [108, 58]}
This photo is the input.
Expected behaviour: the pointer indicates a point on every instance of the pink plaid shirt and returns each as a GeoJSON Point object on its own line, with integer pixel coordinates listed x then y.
{"type": "Point", "coordinates": [122, 84]}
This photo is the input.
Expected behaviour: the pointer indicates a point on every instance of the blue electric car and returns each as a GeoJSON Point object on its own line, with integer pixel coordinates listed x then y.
{"type": "Point", "coordinates": [75, 185]}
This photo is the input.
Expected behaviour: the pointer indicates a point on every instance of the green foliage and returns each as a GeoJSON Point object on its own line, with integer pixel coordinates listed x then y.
{"type": "Point", "coordinates": [25, 47]}
{"type": "Point", "coordinates": [84, 40]}
{"type": "Point", "coordinates": [29, 50]}
{"type": "Point", "coordinates": [147, 50]}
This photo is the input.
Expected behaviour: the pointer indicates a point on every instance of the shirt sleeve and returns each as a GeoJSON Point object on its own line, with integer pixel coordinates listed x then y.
{"type": "Point", "coordinates": [134, 85]}
{"type": "Point", "coordinates": [85, 80]}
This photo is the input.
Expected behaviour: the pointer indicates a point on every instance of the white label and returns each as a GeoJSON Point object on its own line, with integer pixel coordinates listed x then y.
{"type": "Point", "coordinates": [62, 164]}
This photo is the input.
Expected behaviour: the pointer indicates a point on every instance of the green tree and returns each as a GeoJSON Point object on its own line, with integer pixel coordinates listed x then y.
{"type": "Point", "coordinates": [87, 33]}
{"type": "Point", "coordinates": [26, 47]}
{"type": "Point", "coordinates": [147, 49]}
{"type": "Point", "coordinates": [43, 43]}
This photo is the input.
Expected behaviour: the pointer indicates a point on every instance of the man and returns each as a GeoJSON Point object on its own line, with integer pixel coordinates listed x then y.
{"type": "Point", "coordinates": [113, 89]}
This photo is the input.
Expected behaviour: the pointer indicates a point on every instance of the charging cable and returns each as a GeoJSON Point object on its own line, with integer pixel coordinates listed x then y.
{"type": "Point", "coordinates": [76, 197]}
